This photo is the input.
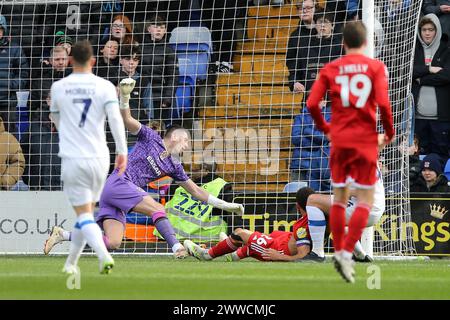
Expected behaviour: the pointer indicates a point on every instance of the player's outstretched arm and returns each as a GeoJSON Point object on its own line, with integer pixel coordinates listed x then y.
{"type": "Point", "coordinates": [205, 196]}
{"type": "Point", "coordinates": [126, 86]}
{"type": "Point", "coordinates": [274, 255]}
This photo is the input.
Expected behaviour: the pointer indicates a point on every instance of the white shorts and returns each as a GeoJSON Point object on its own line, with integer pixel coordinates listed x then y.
{"type": "Point", "coordinates": [84, 178]}
{"type": "Point", "coordinates": [373, 217]}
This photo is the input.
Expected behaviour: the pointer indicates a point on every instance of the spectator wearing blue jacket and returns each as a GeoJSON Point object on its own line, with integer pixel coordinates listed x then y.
{"type": "Point", "coordinates": [14, 71]}
{"type": "Point", "coordinates": [311, 152]}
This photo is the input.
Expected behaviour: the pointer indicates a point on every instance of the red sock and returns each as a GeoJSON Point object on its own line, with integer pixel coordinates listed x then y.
{"type": "Point", "coordinates": [356, 225]}
{"type": "Point", "coordinates": [337, 224]}
{"type": "Point", "coordinates": [223, 247]}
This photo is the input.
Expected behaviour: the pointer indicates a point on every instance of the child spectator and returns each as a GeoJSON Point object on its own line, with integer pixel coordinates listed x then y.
{"type": "Point", "coordinates": [160, 66]}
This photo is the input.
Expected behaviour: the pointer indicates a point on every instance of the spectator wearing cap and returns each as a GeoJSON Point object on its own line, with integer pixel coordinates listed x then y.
{"type": "Point", "coordinates": [63, 41]}
{"type": "Point", "coordinates": [431, 179]}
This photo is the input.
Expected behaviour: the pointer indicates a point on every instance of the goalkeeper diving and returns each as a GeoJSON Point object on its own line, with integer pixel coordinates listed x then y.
{"type": "Point", "coordinates": [152, 157]}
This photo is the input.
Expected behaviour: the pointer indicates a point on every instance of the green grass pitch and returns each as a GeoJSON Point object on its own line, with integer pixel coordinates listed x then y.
{"type": "Point", "coordinates": [156, 277]}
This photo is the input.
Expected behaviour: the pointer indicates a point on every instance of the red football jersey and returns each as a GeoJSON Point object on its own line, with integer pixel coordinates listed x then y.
{"type": "Point", "coordinates": [277, 240]}
{"type": "Point", "coordinates": [357, 85]}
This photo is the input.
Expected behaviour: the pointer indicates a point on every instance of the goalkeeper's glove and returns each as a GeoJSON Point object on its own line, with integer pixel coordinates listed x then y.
{"type": "Point", "coordinates": [227, 206]}
{"type": "Point", "coordinates": [126, 86]}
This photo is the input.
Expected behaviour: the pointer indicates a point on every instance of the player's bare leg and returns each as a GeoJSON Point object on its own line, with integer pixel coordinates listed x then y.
{"type": "Point", "coordinates": [150, 207]}
{"type": "Point", "coordinates": [113, 233]}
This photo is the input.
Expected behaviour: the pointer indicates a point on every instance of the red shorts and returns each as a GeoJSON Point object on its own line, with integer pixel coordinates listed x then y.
{"type": "Point", "coordinates": [358, 165]}
{"type": "Point", "coordinates": [277, 240]}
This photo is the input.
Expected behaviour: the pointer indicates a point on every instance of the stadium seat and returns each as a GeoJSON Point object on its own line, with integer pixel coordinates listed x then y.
{"type": "Point", "coordinates": [294, 186]}
{"type": "Point", "coordinates": [447, 169]}
{"type": "Point", "coordinates": [193, 47]}
{"type": "Point", "coordinates": [184, 96]}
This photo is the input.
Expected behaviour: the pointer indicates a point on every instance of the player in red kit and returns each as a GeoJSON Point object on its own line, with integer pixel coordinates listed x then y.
{"type": "Point", "coordinates": [357, 84]}
{"type": "Point", "coordinates": [277, 246]}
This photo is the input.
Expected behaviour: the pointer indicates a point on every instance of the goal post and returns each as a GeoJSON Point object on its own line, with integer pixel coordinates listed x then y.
{"type": "Point", "coordinates": [227, 72]}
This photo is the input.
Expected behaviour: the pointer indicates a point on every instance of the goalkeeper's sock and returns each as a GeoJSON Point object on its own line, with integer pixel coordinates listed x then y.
{"type": "Point", "coordinates": [337, 224]}
{"type": "Point", "coordinates": [317, 225]}
{"type": "Point", "coordinates": [164, 227]}
{"type": "Point", "coordinates": [77, 244]}
{"type": "Point", "coordinates": [222, 248]}
{"type": "Point", "coordinates": [93, 234]}
{"type": "Point", "coordinates": [356, 225]}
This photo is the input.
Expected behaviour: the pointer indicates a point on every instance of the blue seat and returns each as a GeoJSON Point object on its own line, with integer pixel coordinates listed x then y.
{"type": "Point", "coordinates": [294, 186]}
{"type": "Point", "coordinates": [447, 169]}
{"type": "Point", "coordinates": [193, 47]}
{"type": "Point", "coordinates": [184, 96]}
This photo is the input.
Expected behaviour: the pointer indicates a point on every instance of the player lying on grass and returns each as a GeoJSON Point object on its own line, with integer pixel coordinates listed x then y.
{"type": "Point", "coordinates": [318, 209]}
{"type": "Point", "coordinates": [152, 158]}
{"type": "Point", "coordinates": [277, 246]}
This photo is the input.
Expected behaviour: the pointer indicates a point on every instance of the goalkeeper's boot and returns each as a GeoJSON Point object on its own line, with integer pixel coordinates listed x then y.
{"type": "Point", "coordinates": [196, 251]}
{"type": "Point", "coordinates": [181, 253]}
{"type": "Point", "coordinates": [344, 267]}
{"type": "Point", "coordinates": [106, 264]}
{"type": "Point", "coordinates": [54, 238]}
{"type": "Point", "coordinates": [311, 257]}
{"type": "Point", "coordinates": [366, 259]}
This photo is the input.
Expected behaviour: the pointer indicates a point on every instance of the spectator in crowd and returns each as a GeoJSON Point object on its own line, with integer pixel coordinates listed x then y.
{"type": "Point", "coordinates": [440, 8]}
{"type": "Point", "coordinates": [57, 68]}
{"type": "Point", "coordinates": [121, 29]}
{"type": "Point", "coordinates": [431, 178]}
{"type": "Point", "coordinates": [298, 40]}
{"type": "Point", "coordinates": [108, 61]}
{"type": "Point", "coordinates": [414, 160]}
{"type": "Point", "coordinates": [159, 65]}
{"type": "Point", "coordinates": [41, 148]}
{"type": "Point", "coordinates": [14, 71]}
{"type": "Point", "coordinates": [311, 151]}
{"type": "Point", "coordinates": [63, 41]}
{"type": "Point", "coordinates": [141, 104]}
{"type": "Point", "coordinates": [323, 47]}
{"type": "Point", "coordinates": [431, 87]}
{"type": "Point", "coordinates": [12, 161]}
{"type": "Point", "coordinates": [220, 17]}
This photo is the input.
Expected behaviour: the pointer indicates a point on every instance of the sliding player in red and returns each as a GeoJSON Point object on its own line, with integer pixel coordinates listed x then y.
{"type": "Point", "coordinates": [357, 85]}
{"type": "Point", "coordinates": [277, 246]}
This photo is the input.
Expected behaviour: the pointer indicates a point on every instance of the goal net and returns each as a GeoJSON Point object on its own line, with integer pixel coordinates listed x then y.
{"type": "Point", "coordinates": [234, 72]}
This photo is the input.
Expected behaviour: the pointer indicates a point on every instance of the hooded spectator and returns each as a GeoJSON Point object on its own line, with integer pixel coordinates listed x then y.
{"type": "Point", "coordinates": [431, 87]}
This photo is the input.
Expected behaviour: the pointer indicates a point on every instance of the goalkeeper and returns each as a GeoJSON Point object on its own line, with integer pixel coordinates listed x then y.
{"type": "Point", "coordinates": [152, 158]}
